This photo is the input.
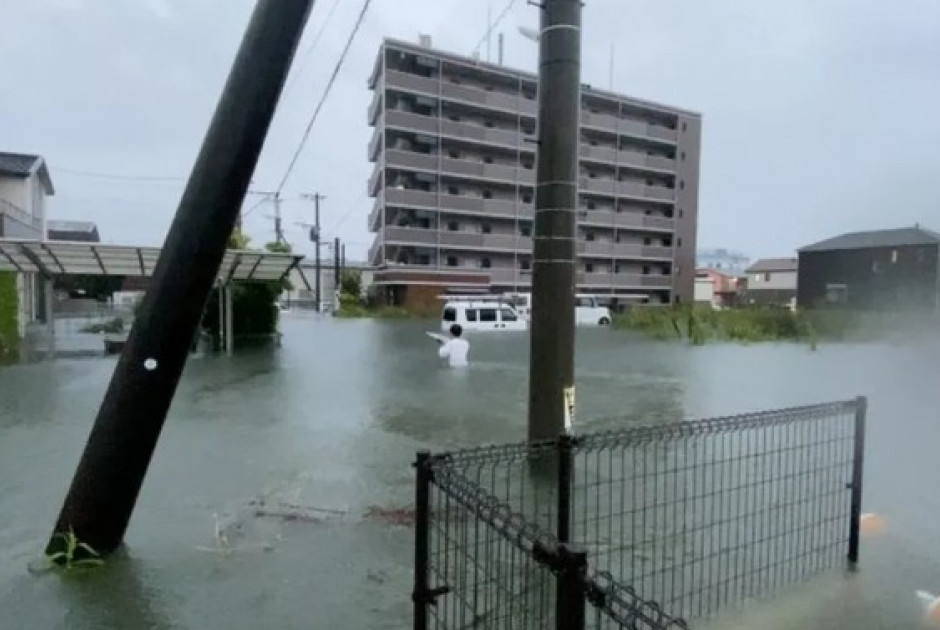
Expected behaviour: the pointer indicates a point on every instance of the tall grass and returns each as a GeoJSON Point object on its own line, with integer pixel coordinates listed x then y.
{"type": "Point", "coordinates": [698, 325]}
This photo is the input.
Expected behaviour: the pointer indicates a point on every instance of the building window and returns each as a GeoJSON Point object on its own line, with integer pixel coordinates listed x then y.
{"type": "Point", "coordinates": [616, 267]}
{"type": "Point", "coordinates": [646, 270]}
{"type": "Point", "coordinates": [525, 264]}
{"type": "Point", "coordinates": [486, 263]}
{"type": "Point", "coordinates": [423, 259]}
{"type": "Point", "coordinates": [647, 241]}
{"type": "Point", "coordinates": [525, 230]}
{"type": "Point", "coordinates": [454, 154]}
{"type": "Point", "coordinates": [589, 267]}
{"type": "Point", "coordinates": [453, 190]}
{"type": "Point", "coordinates": [487, 159]}
{"type": "Point", "coordinates": [489, 123]}
{"type": "Point", "coordinates": [487, 194]}
{"type": "Point", "coordinates": [486, 228]}
{"type": "Point", "coordinates": [527, 197]}
{"type": "Point", "coordinates": [451, 261]}
{"type": "Point", "coordinates": [589, 236]}
{"type": "Point", "coordinates": [767, 277]}
{"type": "Point", "coordinates": [592, 174]}
{"type": "Point", "coordinates": [453, 226]}
{"type": "Point", "coordinates": [649, 182]}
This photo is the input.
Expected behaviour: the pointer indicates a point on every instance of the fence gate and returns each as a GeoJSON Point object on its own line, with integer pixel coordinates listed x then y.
{"type": "Point", "coordinates": [644, 527]}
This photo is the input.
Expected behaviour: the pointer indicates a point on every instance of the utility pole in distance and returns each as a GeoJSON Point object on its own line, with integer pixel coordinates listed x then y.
{"type": "Point", "coordinates": [551, 368]}
{"type": "Point", "coordinates": [336, 264]}
{"type": "Point", "coordinates": [316, 245]}
{"type": "Point", "coordinates": [112, 468]}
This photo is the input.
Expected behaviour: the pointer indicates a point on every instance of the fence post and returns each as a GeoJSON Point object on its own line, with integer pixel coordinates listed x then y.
{"type": "Point", "coordinates": [570, 594]}
{"type": "Point", "coordinates": [858, 462]}
{"type": "Point", "coordinates": [422, 530]}
{"type": "Point", "coordinates": [565, 482]}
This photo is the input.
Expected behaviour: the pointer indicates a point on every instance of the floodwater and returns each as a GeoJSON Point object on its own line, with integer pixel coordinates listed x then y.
{"type": "Point", "coordinates": [331, 421]}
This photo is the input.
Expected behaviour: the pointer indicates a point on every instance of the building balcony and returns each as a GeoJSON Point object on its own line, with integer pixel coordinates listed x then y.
{"type": "Point", "coordinates": [456, 203]}
{"type": "Point", "coordinates": [611, 249]}
{"type": "Point", "coordinates": [445, 239]}
{"type": "Point", "coordinates": [469, 132]}
{"type": "Point", "coordinates": [410, 160]}
{"type": "Point", "coordinates": [632, 159]}
{"type": "Point", "coordinates": [375, 181]}
{"type": "Point", "coordinates": [375, 144]}
{"type": "Point", "coordinates": [477, 97]}
{"type": "Point", "coordinates": [623, 280]}
{"type": "Point", "coordinates": [625, 127]}
{"type": "Point", "coordinates": [375, 215]}
{"type": "Point", "coordinates": [375, 107]}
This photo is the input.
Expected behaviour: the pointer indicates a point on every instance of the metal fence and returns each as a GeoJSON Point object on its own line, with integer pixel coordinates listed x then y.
{"type": "Point", "coordinates": [675, 521]}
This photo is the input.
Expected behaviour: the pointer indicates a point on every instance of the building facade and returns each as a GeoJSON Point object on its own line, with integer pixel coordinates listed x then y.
{"type": "Point", "coordinates": [880, 270]}
{"type": "Point", "coordinates": [24, 185]}
{"type": "Point", "coordinates": [717, 289]}
{"type": "Point", "coordinates": [771, 282]}
{"type": "Point", "coordinates": [453, 183]}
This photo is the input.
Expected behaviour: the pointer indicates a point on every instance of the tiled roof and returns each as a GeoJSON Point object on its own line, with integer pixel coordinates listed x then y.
{"type": "Point", "coordinates": [877, 238]}
{"type": "Point", "coordinates": [773, 264]}
{"type": "Point", "coordinates": [24, 165]}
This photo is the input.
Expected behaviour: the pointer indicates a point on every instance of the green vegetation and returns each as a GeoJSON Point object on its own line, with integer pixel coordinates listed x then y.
{"type": "Point", "coordinates": [352, 306]}
{"type": "Point", "coordinates": [113, 326]}
{"type": "Point", "coordinates": [9, 320]}
{"type": "Point", "coordinates": [701, 324]}
{"type": "Point", "coordinates": [73, 553]}
{"type": "Point", "coordinates": [255, 314]}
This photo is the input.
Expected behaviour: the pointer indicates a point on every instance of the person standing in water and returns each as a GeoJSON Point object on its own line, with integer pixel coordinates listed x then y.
{"type": "Point", "coordinates": [455, 349]}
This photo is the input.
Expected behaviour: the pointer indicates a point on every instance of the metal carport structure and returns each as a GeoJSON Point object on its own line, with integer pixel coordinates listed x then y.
{"type": "Point", "coordinates": [50, 259]}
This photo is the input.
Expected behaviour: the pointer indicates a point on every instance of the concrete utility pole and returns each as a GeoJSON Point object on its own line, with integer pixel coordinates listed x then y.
{"type": "Point", "coordinates": [104, 490]}
{"type": "Point", "coordinates": [316, 245]}
{"type": "Point", "coordinates": [336, 264]}
{"type": "Point", "coordinates": [551, 369]}
{"type": "Point", "coordinates": [278, 229]}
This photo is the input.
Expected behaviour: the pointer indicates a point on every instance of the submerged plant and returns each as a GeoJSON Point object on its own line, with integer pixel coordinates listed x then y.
{"type": "Point", "coordinates": [73, 553]}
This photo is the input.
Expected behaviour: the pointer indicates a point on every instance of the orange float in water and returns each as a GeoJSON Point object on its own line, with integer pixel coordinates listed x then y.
{"type": "Point", "coordinates": [871, 524]}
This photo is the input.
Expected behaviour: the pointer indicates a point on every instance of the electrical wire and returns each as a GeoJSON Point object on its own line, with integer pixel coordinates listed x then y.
{"type": "Point", "coordinates": [326, 93]}
{"type": "Point", "coordinates": [306, 54]}
{"type": "Point", "coordinates": [348, 213]}
{"type": "Point", "coordinates": [491, 27]}
{"type": "Point", "coordinates": [114, 176]}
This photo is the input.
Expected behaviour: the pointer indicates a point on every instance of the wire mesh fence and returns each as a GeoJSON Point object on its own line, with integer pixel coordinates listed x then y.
{"type": "Point", "coordinates": [677, 521]}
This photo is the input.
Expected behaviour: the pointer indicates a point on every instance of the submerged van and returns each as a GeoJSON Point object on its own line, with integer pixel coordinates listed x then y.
{"type": "Point", "coordinates": [588, 310]}
{"type": "Point", "coordinates": [479, 313]}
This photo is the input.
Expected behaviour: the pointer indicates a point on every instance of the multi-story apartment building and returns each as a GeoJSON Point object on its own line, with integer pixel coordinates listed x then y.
{"type": "Point", "coordinates": [454, 153]}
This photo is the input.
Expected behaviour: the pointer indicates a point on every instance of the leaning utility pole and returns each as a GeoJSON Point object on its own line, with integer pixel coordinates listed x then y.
{"type": "Point", "coordinates": [551, 368]}
{"type": "Point", "coordinates": [107, 482]}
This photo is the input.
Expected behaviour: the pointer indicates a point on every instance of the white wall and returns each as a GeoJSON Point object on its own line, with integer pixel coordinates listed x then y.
{"type": "Point", "coordinates": [15, 190]}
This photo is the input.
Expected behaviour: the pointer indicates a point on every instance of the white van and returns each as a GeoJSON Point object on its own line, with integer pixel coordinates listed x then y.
{"type": "Point", "coordinates": [588, 310]}
{"type": "Point", "coordinates": [480, 314]}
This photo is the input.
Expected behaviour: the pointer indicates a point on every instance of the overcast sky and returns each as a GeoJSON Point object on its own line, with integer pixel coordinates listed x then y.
{"type": "Point", "coordinates": [820, 116]}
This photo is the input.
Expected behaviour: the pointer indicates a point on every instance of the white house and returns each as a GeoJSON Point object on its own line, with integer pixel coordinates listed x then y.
{"type": "Point", "coordinates": [24, 185]}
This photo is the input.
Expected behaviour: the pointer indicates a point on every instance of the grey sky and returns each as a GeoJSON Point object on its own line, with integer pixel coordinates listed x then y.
{"type": "Point", "coordinates": [820, 115]}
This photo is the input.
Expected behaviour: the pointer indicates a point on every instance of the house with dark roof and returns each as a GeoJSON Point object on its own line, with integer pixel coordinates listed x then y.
{"type": "Point", "coordinates": [878, 270]}
{"type": "Point", "coordinates": [771, 282]}
{"type": "Point", "coordinates": [24, 185]}
{"type": "Point", "coordinates": [72, 231]}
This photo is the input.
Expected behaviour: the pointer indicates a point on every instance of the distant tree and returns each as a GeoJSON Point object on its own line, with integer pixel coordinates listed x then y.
{"type": "Point", "coordinates": [350, 283]}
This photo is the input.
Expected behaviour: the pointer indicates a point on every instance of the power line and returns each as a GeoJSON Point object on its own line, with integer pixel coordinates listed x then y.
{"type": "Point", "coordinates": [347, 214]}
{"type": "Point", "coordinates": [115, 176]}
{"type": "Point", "coordinates": [313, 44]}
{"type": "Point", "coordinates": [326, 93]}
{"type": "Point", "coordinates": [491, 27]}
